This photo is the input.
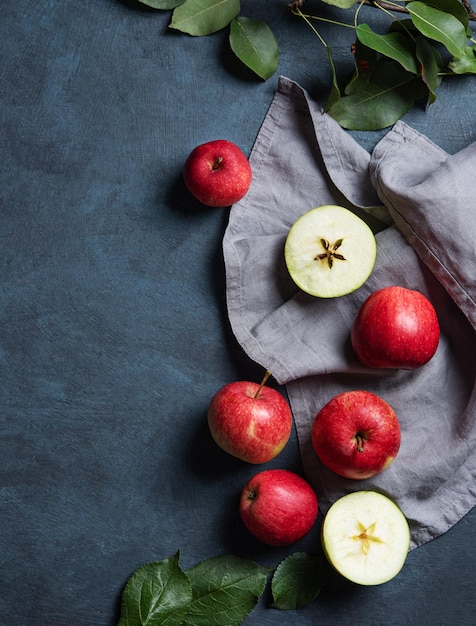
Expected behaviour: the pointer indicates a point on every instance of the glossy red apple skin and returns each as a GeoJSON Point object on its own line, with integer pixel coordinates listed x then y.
{"type": "Point", "coordinates": [356, 434]}
{"type": "Point", "coordinates": [278, 507]}
{"type": "Point", "coordinates": [395, 328]}
{"type": "Point", "coordinates": [252, 428]}
{"type": "Point", "coordinates": [217, 173]}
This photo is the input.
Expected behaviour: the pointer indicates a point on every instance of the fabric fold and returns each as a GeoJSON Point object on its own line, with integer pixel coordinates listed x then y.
{"type": "Point", "coordinates": [430, 197]}
{"type": "Point", "coordinates": [414, 197]}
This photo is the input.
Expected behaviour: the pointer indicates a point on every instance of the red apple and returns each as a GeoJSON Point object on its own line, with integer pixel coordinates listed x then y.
{"type": "Point", "coordinates": [217, 173]}
{"type": "Point", "coordinates": [395, 327]}
{"type": "Point", "coordinates": [250, 421]}
{"type": "Point", "coordinates": [278, 507]}
{"type": "Point", "coordinates": [356, 434]}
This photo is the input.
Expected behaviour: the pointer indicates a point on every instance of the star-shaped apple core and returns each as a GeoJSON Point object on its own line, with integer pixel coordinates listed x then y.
{"type": "Point", "coordinates": [330, 252]}
{"type": "Point", "coordinates": [366, 536]}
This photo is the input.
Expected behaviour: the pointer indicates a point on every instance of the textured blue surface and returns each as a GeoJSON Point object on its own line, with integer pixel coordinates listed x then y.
{"type": "Point", "coordinates": [113, 327]}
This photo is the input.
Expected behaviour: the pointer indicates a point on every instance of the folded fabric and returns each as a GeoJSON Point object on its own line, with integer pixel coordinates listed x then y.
{"type": "Point", "coordinates": [417, 199]}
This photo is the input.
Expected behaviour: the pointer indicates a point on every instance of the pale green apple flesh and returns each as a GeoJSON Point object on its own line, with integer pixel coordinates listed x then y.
{"type": "Point", "coordinates": [330, 251]}
{"type": "Point", "coordinates": [366, 537]}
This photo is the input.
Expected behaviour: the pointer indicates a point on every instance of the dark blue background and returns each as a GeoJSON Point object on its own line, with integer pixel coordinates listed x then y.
{"type": "Point", "coordinates": [114, 334]}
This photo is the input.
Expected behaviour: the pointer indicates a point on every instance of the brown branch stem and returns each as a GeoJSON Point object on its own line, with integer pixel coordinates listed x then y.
{"type": "Point", "coordinates": [388, 6]}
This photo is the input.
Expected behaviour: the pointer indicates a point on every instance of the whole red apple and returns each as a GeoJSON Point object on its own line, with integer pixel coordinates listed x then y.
{"type": "Point", "coordinates": [278, 507]}
{"type": "Point", "coordinates": [356, 434]}
{"type": "Point", "coordinates": [396, 328]}
{"type": "Point", "coordinates": [217, 173]}
{"type": "Point", "coordinates": [250, 421]}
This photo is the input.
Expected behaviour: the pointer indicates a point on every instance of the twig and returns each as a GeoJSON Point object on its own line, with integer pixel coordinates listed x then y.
{"type": "Point", "coordinates": [469, 8]}
{"type": "Point", "coordinates": [390, 6]}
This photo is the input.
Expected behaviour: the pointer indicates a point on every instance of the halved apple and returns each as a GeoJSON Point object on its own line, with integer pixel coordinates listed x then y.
{"type": "Point", "coordinates": [366, 537]}
{"type": "Point", "coordinates": [330, 251]}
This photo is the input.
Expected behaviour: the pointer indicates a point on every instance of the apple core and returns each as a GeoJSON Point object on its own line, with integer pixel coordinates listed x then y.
{"type": "Point", "coordinates": [330, 251]}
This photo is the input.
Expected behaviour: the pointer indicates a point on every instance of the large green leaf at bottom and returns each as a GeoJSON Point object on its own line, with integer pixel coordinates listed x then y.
{"type": "Point", "coordinates": [156, 593]}
{"type": "Point", "coordinates": [225, 590]}
{"type": "Point", "coordinates": [255, 45]}
{"type": "Point", "coordinates": [297, 581]}
{"type": "Point", "coordinates": [204, 17]}
{"type": "Point", "coordinates": [383, 100]}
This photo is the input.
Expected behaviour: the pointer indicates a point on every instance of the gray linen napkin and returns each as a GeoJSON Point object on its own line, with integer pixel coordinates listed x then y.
{"type": "Point", "coordinates": [417, 199]}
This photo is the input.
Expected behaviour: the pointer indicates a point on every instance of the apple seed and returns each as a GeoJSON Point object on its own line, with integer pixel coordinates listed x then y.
{"type": "Point", "coordinates": [330, 252]}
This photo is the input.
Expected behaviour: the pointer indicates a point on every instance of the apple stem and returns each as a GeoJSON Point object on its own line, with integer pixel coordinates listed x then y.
{"type": "Point", "coordinates": [360, 443]}
{"type": "Point", "coordinates": [262, 383]}
{"type": "Point", "coordinates": [216, 163]}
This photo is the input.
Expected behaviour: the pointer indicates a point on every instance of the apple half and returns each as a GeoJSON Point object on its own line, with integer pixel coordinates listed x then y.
{"type": "Point", "coordinates": [366, 537]}
{"type": "Point", "coordinates": [330, 251]}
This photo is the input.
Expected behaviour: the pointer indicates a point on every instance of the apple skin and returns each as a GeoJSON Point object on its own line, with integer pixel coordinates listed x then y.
{"type": "Point", "coordinates": [217, 173]}
{"type": "Point", "coordinates": [253, 428]}
{"type": "Point", "coordinates": [356, 434]}
{"type": "Point", "coordinates": [278, 507]}
{"type": "Point", "coordinates": [395, 328]}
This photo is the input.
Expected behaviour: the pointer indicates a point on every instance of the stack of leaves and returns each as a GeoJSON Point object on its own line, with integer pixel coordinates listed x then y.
{"type": "Point", "coordinates": [222, 590]}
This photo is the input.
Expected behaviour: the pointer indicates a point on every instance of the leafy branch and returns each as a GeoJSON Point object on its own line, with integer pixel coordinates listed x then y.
{"type": "Point", "coordinates": [392, 6]}
{"type": "Point", "coordinates": [392, 71]}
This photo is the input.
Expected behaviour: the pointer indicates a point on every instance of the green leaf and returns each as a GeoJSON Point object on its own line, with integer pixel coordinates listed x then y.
{"type": "Point", "coordinates": [454, 7]}
{"type": "Point", "coordinates": [388, 95]}
{"type": "Point", "coordinates": [204, 17]}
{"type": "Point", "coordinates": [334, 95]}
{"type": "Point", "coordinates": [407, 27]}
{"type": "Point", "coordinates": [225, 590]}
{"type": "Point", "coordinates": [465, 64]}
{"type": "Point", "coordinates": [439, 26]}
{"type": "Point", "coordinates": [365, 62]}
{"type": "Point", "coordinates": [342, 4]}
{"type": "Point", "coordinates": [393, 45]}
{"type": "Point", "coordinates": [255, 45]}
{"type": "Point", "coordinates": [297, 581]}
{"type": "Point", "coordinates": [162, 4]}
{"type": "Point", "coordinates": [428, 58]}
{"type": "Point", "coordinates": [156, 593]}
